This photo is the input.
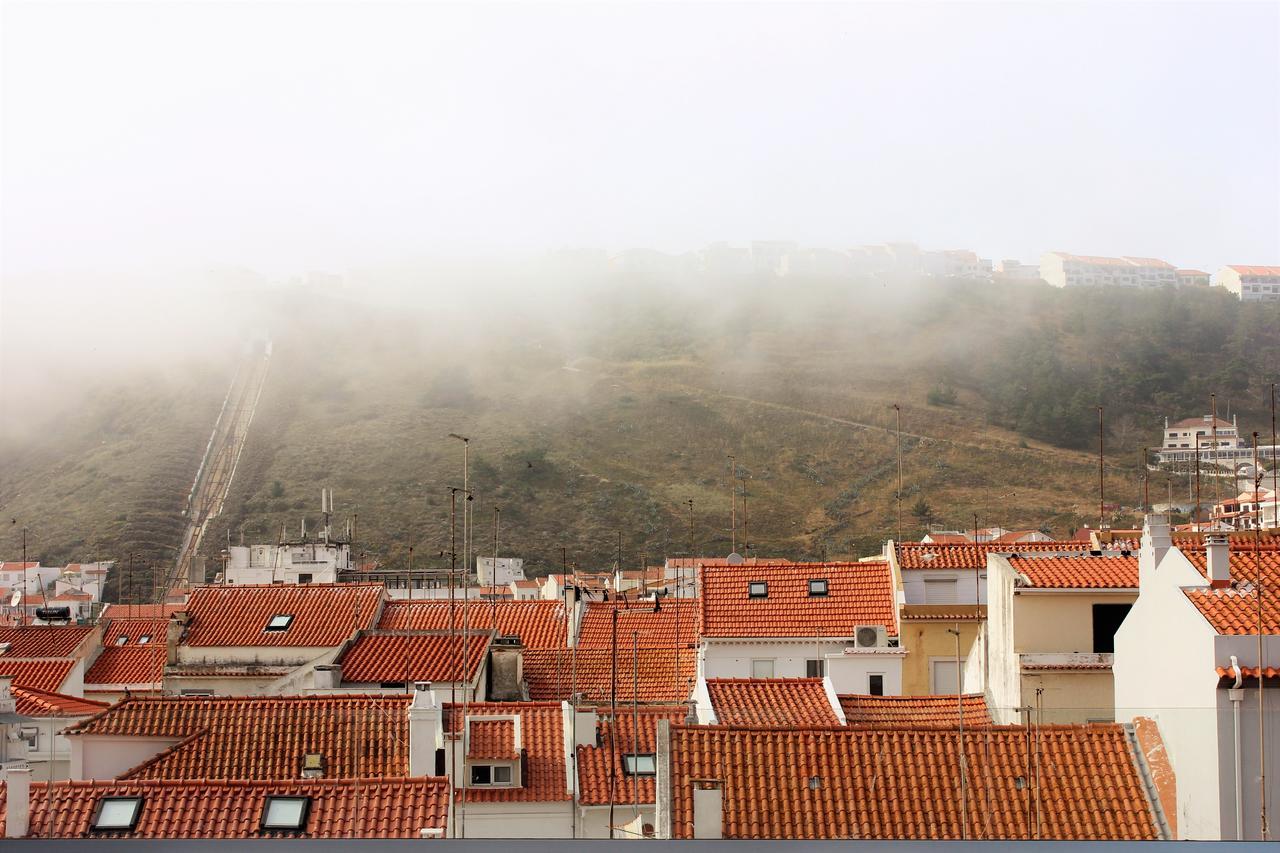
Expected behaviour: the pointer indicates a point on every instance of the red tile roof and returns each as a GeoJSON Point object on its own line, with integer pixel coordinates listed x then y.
{"type": "Point", "coordinates": [904, 783]}
{"type": "Point", "coordinates": [694, 562]}
{"type": "Point", "coordinates": [538, 624]}
{"type": "Point", "coordinates": [46, 674]}
{"type": "Point", "coordinates": [1078, 571]}
{"type": "Point", "coordinates": [600, 770]}
{"type": "Point", "coordinates": [43, 641]}
{"type": "Point", "coordinates": [323, 614]}
{"type": "Point", "coordinates": [491, 739]}
{"type": "Point", "coordinates": [637, 725]}
{"type": "Point", "coordinates": [142, 611]}
{"type": "Point", "coordinates": [943, 612]}
{"type": "Point", "coordinates": [1228, 675]}
{"type": "Point", "coordinates": [133, 629]}
{"type": "Point", "coordinates": [973, 555]}
{"type": "Point", "coordinates": [386, 656]}
{"type": "Point", "coordinates": [262, 737]}
{"type": "Point", "coordinates": [542, 739]}
{"type": "Point", "coordinates": [657, 678]}
{"type": "Point", "coordinates": [897, 711]}
{"type": "Point", "coordinates": [369, 808]}
{"type": "Point", "coordinates": [1245, 269]}
{"type": "Point", "coordinates": [43, 703]}
{"type": "Point", "coordinates": [132, 665]}
{"type": "Point", "coordinates": [1234, 609]}
{"type": "Point", "coordinates": [654, 630]}
{"type": "Point", "coordinates": [771, 702]}
{"type": "Point", "coordinates": [858, 594]}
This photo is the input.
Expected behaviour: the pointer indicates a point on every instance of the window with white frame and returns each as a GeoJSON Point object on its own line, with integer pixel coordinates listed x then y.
{"type": "Point", "coordinates": [285, 814]}
{"type": "Point", "coordinates": [490, 774]}
{"type": "Point", "coordinates": [117, 813]}
{"type": "Point", "coordinates": [762, 668]}
{"type": "Point", "coordinates": [280, 622]}
{"type": "Point", "coordinates": [639, 764]}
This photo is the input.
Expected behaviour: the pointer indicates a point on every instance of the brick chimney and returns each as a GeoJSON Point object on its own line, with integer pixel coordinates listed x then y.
{"type": "Point", "coordinates": [17, 816]}
{"type": "Point", "coordinates": [424, 730]}
{"type": "Point", "coordinates": [1219, 560]}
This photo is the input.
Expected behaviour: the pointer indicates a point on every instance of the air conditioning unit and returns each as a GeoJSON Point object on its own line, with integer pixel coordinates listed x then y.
{"type": "Point", "coordinates": [870, 637]}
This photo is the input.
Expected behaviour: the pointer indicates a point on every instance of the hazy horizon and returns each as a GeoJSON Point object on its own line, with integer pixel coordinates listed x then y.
{"type": "Point", "coordinates": [299, 136]}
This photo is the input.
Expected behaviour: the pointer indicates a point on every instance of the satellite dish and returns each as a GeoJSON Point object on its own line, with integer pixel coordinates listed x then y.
{"type": "Point", "coordinates": [734, 559]}
{"type": "Point", "coordinates": [16, 598]}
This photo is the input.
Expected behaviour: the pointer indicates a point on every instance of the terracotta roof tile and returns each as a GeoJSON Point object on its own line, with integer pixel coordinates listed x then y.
{"type": "Point", "coordinates": [1234, 609]}
{"type": "Point", "coordinates": [492, 739]}
{"type": "Point", "coordinates": [394, 656]}
{"type": "Point", "coordinates": [973, 555]}
{"type": "Point", "coordinates": [43, 703]}
{"type": "Point", "coordinates": [771, 702]}
{"type": "Point", "coordinates": [371, 808]}
{"type": "Point", "coordinates": [897, 711]}
{"type": "Point", "coordinates": [323, 614]}
{"type": "Point", "coordinates": [1245, 269]}
{"type": "Point", "coordinates": [542, 739]}
{"type": "Point", "coordinates": [133, 629]}
{"type": "Point", "coordinates": [132, 665]}
{"type": "Point", "coordinates": [943, 612]}
{"type": "Point", "coordinates": [43, 641]}
{"type": "Point", "coordinates": [261, 737]}
{"type": "Point", "coordinates": [142, 611]}
{"type": "Point", "coordinates": [857, 594]}
{"type": "Point", "coordinates": [549, 674]}
{"type": "Point", "coordinates": [601, 776]}
{"type": "Point", "coordinates": [1246, 672]}
{"type": "Point", "coordinates": [1079, 571]}
{"type": "Point", "coordinates": [538, 624]}
{"type": "Point", "coordinates": [815, 783]}
{"type": "Point", "coordinates": [654, 629]}
{"type": "Point", "coordinates": [637, 725]}
{"type": "Point", "coordinates": [44, 674]}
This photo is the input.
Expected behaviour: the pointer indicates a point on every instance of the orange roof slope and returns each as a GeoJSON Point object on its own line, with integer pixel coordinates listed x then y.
{"type": "Point", "coordinates": [132, 629]}
{"type": "Point", "coordinates": [815, 783]}
{"type": "Point", "coordinates": [323, 614]}
{"type": "Point", "coordinates": [538, 624]}
{"type": "Point", "coordinates": [660, 675]}
{"type": "Point", "coordinates": [771, 702]}
{"type": "Point", "coordinates": [863, 710]}
{"type": "Point", "coordinates": [369, 808]}
{"type": "Point", "coordinates": [395, 656]}
{"type": "Point", "coordinates": [131, 665]}
{"type": "Point", "coordinates": [492, 739]}
{"type": "Point", "coordinates": [43, 641]}
{"type": "Point", "coordinates": [857, 594]}
{"type": "Point", "coordinates": [1245, 269]}
{"type": "Point", "coordinates": [260, 737]}
{"type": "Point", "coordinates": [1234, 609]}
{"type": "Point", "coordinates": [47, 674]}
{"type": "Point", "coordinates": [674, 624]}
{"type": "Point", "coordinates": [600, 770]}
{"type": "Point", "coordinates": [973, 555]}
{"type": "Point", "coordinates": [1079, 571]}
{"type": "Point", "coordinates": [542, 740]}
{"type": "Point", "coordinates": [43, 703]}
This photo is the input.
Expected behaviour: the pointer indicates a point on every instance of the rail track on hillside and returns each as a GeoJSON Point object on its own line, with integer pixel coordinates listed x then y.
{"type": "Point", "coordinates": [218, 467]}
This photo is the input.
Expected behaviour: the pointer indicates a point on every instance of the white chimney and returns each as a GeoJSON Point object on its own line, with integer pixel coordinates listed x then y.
{"type": "Point", "coordinates": [584, 725]}
{"type": "Point", "coordinates": [17, 802]}
{"type": "Point", "coordinates": [708, 809]}
{"type": "Point", "coordinates": [424, 730]}
{"type": "Point", "coordinates": [1219, 560]}
{"type": "Point", "coordinates": [327, 676]}
{"type": "Point", "coordinates": [1156, 538]}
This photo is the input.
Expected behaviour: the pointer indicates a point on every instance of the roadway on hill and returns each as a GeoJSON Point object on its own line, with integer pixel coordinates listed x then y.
{"type": "Point", "coordinates": [213, 478]}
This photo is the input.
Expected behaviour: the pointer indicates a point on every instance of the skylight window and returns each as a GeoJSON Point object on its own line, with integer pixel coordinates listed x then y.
{"type": "Point", "coordinates": [120, 641]}
{"type": "Point", "coordinates": [280, 622]}
{"type": "Point", "coordinates": [144, 639]}
{"type": "Point", "coordinates": [117, 813]}
{"type": "Point", "coordinates": [286, 814]}
{"type": "Point", "coordinates": [817, 586]}
{"type": "Point", "coordinates": [758, 589]}
{"type": "Point", "coordinates": [642, 764]}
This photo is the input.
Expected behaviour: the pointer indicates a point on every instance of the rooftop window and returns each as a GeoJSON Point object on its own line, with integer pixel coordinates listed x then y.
{"type": "Point", "coordinates": [280, 622]}
{"type": "Point", "coordinates": [758, 589]}
{"type": "Point", "coordinates": [818, 586]}
{"type": "Point", "coordinates": [490, 774]}
{"type": "Point", "coordinates": [121, 640]}
{"type": "Point", "coordinates": [642, 764]}
{"type": "Point", "coordinates": [285, 814]}
{"type": "Point", "coordinates": [144, 639]}
{"type": "Point", "coordinates": [117, 813]}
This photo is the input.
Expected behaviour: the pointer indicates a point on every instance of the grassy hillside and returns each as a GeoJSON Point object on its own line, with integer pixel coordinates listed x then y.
{"type": "Point", "coordinates": [607, 418]}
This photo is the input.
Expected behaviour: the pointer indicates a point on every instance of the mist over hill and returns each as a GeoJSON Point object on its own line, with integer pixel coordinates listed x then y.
{"type": "Point", "coordinates": [598, 407]}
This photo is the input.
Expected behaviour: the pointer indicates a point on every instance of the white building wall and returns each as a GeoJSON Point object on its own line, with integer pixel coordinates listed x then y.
{"type": "Point", "coordinates": [515, 820]}
{"type": "Point", "coordinates": [1004, 667]}
{"type": "Point", "coordinates": [970, 585]}
{"type": "Point", "coordinates": [849, 672]}
{"type": "Point", "coordinates": [101, 757]}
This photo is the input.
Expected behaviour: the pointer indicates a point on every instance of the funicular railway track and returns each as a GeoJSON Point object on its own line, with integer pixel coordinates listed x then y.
{"type": "Point", "coordinates": [213, 478]}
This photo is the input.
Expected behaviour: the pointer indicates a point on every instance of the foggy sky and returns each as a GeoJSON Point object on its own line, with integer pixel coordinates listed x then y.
{"type": "Point", "coordinates": [301, 136]}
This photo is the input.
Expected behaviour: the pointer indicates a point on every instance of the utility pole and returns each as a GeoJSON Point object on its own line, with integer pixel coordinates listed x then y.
{"type": "Point", "coordinates": [897, 413]}
{"type": "Point", "coordinates": [733, 507]}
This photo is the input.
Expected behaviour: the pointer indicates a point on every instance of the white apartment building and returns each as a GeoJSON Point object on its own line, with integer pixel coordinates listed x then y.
{"type": "Point", "coordinates": [500, 571]}
{"type": "Point", "coordinates": [964, 264]}
{"type": "Point", "coordinates": [1250, 283]}
{"type": "Point", "coordinates": [1213, 441]}
{"type": "Point", "coordinates": [1193, 278]}
{"type": "Point", "coordinates": [1062, 269]}
{"type": "Point", "coordinates": [1013, 270]}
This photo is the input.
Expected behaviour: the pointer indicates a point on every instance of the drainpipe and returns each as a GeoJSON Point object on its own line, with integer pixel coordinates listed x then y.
{"type": "Point", "coordinates": [1236, 695]}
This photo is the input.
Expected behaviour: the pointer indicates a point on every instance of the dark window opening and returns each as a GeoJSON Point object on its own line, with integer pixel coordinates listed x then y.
{"type": "Point", "coordinates": [815, 668]}
{"type": "Point", "coordinates": [1106, 621]}
{"type": "Point", "coordinates": [875, 685]}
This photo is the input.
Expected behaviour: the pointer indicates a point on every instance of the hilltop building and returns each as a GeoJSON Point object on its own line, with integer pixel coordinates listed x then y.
{"type": "Point", "coordinates": [1250, 283]}
{"type": "Point", "coordinates": [1062, 269]}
